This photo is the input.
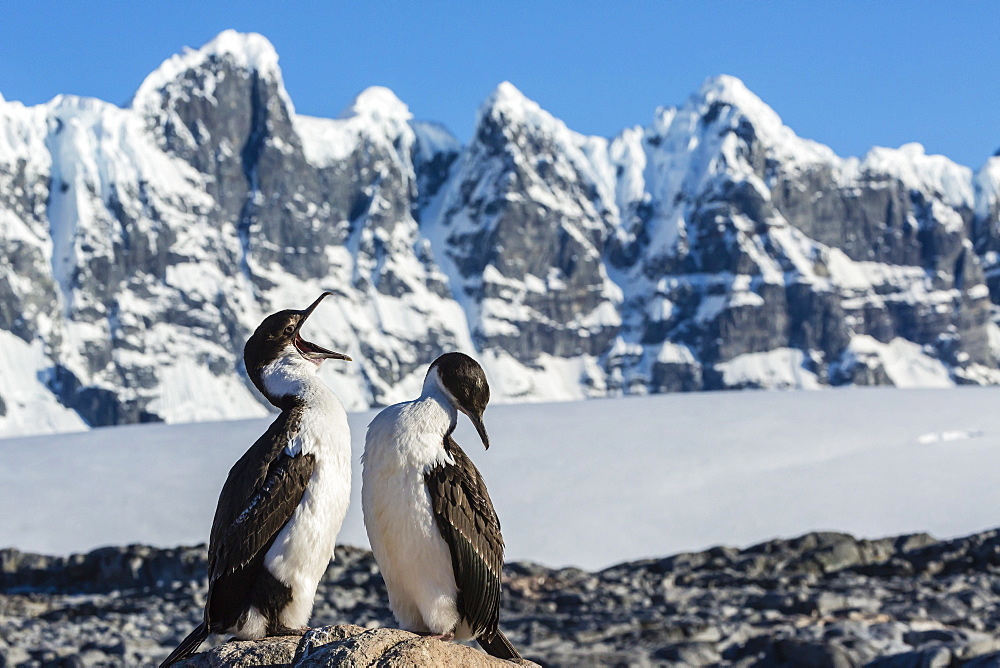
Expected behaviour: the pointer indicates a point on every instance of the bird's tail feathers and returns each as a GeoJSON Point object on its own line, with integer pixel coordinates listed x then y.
{"type": "Point", "coordinates": [188, 646]}
{"type": "Point", "coordinates": [499, 647]}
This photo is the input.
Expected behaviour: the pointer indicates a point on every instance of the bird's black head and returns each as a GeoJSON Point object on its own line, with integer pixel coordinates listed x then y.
{"type": "Point", "coordinates": [277, 339]}
{"type": "Point", "coordinates": [465, 383]}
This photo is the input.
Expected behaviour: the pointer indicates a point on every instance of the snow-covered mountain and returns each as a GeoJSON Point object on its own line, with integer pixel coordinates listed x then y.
{"type": "Point", "coordinates": [712, 248]}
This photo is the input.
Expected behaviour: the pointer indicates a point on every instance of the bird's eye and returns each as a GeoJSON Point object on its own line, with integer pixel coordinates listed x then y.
{"type": "Point", "coordinates": [289, 330]}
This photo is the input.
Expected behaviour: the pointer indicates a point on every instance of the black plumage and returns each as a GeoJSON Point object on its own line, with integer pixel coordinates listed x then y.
{"type": "Point", "coordinates": [259, 497]}
{"type": "Point", "coordinates": [463, 378]}
{"type": "Point", "coordinates": [469, 525]}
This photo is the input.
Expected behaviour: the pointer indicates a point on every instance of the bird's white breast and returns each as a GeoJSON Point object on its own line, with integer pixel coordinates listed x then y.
{"type": "Point", "coordinates": [404, 442]}
{"type": "Point", "coordinates": [304, 547]}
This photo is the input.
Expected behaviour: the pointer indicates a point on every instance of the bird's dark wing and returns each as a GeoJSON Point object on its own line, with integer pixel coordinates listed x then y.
{"type": "Point", "coordinates": [469, 525]}
{"type": "Point", "coordinates": [263, 514]}
{"type": "Point", "coordinates": [262, 491]}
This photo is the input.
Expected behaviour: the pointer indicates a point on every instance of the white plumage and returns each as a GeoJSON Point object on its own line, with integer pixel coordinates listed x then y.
{"type": "Point", "coordinates": [283, 503]}
{"type": "Point", "coordinates": [403, 443]}
{"type": "Point", "coordinates": [304, 547]}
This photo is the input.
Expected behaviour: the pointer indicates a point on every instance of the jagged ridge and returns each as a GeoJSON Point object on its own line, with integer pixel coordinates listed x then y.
{"type": "Point", "coordinates": [710, 249]}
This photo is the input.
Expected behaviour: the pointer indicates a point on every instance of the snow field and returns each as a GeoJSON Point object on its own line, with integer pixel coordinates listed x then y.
{"type": "Point", "coordinates": [586, 483]}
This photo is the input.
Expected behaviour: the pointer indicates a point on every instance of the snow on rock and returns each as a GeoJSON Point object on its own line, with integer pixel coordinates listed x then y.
{"type": "Point", "coordinates": [375, 112]}
{"type": "Point", "coordinates": [747, 243]}
{"type": "Point", "coordinates": [721, 92]}
{"type": "Point", "coordinates": [987, 186]}
{"type": "Point", "coordinates": [177, 224]}
{"type": "Point", "coordinates": [250, 52]}
{"type": "Point", "coordinates": [521, 232]}
{"type": "Point", "coordinates": [903, 362]}
{"type": "Point", "coordinates": [28, 296]}
{"type": "Point", "coordinates": [26, 404]}
{"type": "Point", "coordinates": [779, 369]}
{"type": "Point", "coordinates": [712, 248]}
{"type": "Point", "coordinates": [935, 174]}
{"type": "Point", "coordinates": [987, 220]}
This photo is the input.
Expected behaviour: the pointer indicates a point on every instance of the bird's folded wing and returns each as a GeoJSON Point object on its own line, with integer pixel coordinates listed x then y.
{"type": "Point", "coordinates": [242, 531]}
{"type": "Point", "coordinates": [469, 524]}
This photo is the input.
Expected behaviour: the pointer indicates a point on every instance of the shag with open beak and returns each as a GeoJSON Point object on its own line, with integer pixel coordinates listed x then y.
{"type": "Point", "coordinates": [278, 343]}
{"type": "Point", "coordinates": [284, 501]}
{"type": "Point", "coordinates": [430, 521]}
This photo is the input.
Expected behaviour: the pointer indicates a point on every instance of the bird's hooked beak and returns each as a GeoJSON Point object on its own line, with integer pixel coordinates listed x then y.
{"type": "Point", "coordinates": [477, 420]}
{"type": "Point", "coordinates": [309, 350]}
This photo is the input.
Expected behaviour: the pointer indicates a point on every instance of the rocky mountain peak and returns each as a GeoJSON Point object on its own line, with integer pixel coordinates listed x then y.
{"type": "Point", "coordinates": [247, 53]}
{"type": "Point", "coordinates": [379, 104]}
{"type": "Point", "coordinates": [252, 51]}
{"type": "Point", "coordinates": [729, 90]}
{"type": "Point", "coordinates": [530, 268]}
{"type": "Point", "coordinates": [511, 124]}
{"type": "Point", "coordinates": [510, 107]}
{"type": "Point", "coordinates": [725, 103]}
{"type": "Point", "coordinates": [507, 94]}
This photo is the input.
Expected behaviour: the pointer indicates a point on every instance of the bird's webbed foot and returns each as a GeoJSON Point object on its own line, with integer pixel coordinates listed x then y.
{"type": "Point", "coordinates": [444, 637]}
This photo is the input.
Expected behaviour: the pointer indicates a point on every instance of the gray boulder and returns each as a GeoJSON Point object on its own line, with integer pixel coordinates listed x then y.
{"type": "Point", "coordinates": [347, 646]}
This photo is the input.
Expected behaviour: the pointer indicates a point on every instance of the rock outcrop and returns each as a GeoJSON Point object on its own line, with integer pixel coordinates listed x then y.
{"type": "Point", "coordinates": [346, 645]}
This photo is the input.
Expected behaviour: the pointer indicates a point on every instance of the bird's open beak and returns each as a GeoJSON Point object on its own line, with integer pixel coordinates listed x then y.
{"type": "Point", "coordinates": [308, 349]}
{"type": "Point", "coordinates": [477, 420]}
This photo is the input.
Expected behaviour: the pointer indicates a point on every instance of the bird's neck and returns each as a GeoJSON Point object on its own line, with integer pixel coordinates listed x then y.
{"type": "Point", "coordinates": [290, 381]}
{"type": "Point", "coordinates": [437, 410]}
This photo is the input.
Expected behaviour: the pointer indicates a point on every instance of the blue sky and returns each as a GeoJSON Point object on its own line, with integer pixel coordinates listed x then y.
{"type": "Point", "coordinates": [850, 75]}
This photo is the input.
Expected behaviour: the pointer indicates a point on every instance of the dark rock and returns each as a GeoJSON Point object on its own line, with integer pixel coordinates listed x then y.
{"type": "Point", "coordinates": [819, 599]}
{"type": "Point", "coordinates": [991, 660]}
{"type": "Point", "coordinates": [788, 652]}
{"type": "Point", "coordinates": [937, 657]}
{"type": "Point", "coordinates": [689, 653]}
